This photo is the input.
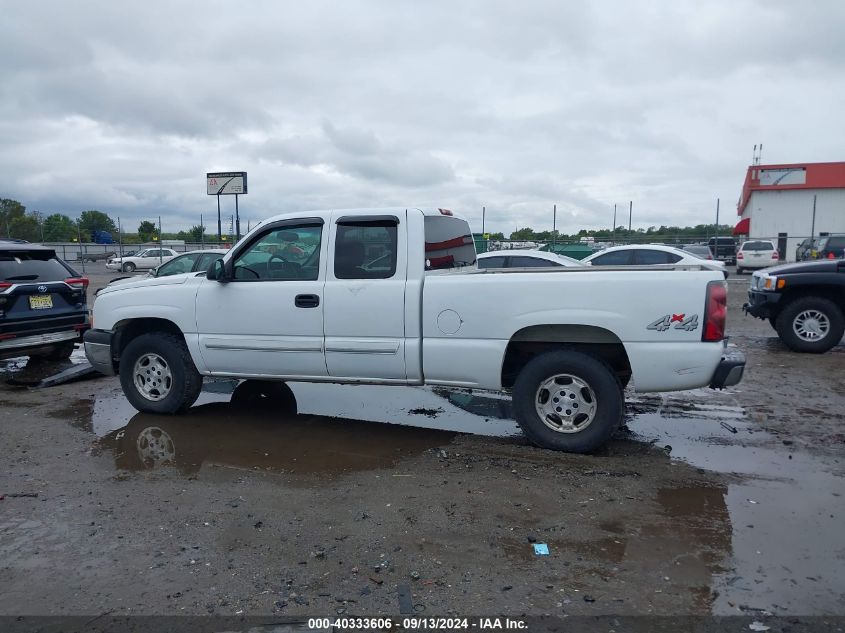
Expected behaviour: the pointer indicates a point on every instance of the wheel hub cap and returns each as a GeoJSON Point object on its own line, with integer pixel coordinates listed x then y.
{"type": "Point", "coordinates": [152, 377]}
{"type": "Point", "coordinates": [811, 325]}
{"type": "Point", "coordinates": [565, 403]}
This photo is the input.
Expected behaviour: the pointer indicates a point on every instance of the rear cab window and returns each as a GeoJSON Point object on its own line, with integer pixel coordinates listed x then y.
{"type": "Point", "coordinates": [448, 243]}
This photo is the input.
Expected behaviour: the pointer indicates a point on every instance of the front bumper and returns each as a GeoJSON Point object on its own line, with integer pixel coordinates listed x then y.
{"type": "Point", "coordinates": [762, 305]}
{"type": "Point", "coordinates": [98, 351]}
{"type": "Point", "coordinates": [729, 371]}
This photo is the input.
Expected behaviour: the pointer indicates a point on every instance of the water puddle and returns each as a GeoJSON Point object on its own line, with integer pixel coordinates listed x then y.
{"type": "Point", "coordinates": [25, 371]}
{"type": "Point", "coordinates": [784, 513]}
{"type": "Point", "coordinates": [769, 540]}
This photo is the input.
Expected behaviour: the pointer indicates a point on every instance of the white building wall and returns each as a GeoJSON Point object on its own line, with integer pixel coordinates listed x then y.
{"type": "Point", "coordinates": [791, 211]}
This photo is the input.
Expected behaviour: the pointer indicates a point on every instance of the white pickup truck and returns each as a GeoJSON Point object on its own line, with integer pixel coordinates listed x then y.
{"type": "Point", "coordinates": [394, 297]}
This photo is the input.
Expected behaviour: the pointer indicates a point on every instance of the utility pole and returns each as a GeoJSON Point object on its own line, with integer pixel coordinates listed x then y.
{"type": "Point", "coordinates": [202, 233]}
{"type": "Point", "coordinates": [160, 257]}
{"type": "Point", "coordinates": [219, 223]}
{"type": "Point", "coordinates": [813, 225]}
{"type": "Point", "coordinates": [119, 238]}
{"type": "Point", "coordinates": [554, 225]}
{"type": "Point", "coordinates": [613, 232]}
{"type": "Point", "coordinates": [630, 214]}
{"type": "Point", "coordinates": [483, 213]}
{"type": "Point", "coordinates": [717, 222]}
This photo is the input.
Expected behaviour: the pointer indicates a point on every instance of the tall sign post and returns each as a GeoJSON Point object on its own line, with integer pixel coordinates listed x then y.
{"type": "Point", "coordinates": [222, 184]}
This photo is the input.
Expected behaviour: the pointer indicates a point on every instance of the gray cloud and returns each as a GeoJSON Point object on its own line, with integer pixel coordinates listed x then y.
{"type": "Point", "coordinates": [514, 106]}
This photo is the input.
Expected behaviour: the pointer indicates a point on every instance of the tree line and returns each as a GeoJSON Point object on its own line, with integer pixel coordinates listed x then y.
{"type": "Point", "coordinates": [34, 226]}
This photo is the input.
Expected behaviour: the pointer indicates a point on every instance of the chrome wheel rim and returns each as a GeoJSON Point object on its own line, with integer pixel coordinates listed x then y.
{"type": "Point", "coordinates": [152, 377]}
{"type": "Point", "coordinates": [565, 403]}
{"type": "Point", "coordinates": [155, 447]}
{"type": "Point", "coordinates": [811, 325]}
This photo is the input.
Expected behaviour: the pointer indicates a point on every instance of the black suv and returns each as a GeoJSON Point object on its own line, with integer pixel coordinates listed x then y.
{"type": "Point", "coordinates": [831, 247]}
{"type": "Point", "coordinates": [723, 249]}
{"type": "Point", "coordinates": [804, 302]}
{"type": "Point", "coordinates": [43, 303]}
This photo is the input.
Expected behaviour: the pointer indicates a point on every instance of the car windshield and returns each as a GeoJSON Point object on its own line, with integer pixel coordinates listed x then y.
{"type": "Point", "coordinates": [698, 250]}
{"type": "Point", "coordinates": [758, 246]}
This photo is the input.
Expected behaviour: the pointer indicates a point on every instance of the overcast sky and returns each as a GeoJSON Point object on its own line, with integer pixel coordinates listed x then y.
{"type": "Point", "coordinates": [515, 105]}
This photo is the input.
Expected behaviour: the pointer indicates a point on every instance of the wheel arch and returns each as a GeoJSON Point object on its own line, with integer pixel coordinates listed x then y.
{"type": "Point", "coordinates": [126, 330]}
{"type": "Point", "coordinates": [533, 340]}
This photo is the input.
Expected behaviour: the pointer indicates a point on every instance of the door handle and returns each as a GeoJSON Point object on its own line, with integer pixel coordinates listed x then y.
{"type": "Point", "coordinates": [306, 301]}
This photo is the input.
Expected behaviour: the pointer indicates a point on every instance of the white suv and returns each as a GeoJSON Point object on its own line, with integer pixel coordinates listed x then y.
{"type": "Point", "coordinates": [755, 254]}
{"type": "Point", "coordinates": [146, 259]}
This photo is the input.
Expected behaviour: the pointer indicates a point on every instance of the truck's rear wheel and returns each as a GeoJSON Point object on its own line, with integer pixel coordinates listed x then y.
{"type": "Point", "coordinates": [158, 375]}
{"type": "Point", "coordinates": [568, 401]}
{"type": "Point", "coordinates": [811, 324]}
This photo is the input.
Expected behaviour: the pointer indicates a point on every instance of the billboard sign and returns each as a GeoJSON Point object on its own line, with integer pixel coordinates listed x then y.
{"type": "Point", "coordinates": [226, 183]}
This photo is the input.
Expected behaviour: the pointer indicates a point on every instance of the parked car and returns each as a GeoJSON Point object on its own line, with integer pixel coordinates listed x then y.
{"type": "Point", "coordinates": [756, 254]}
{"type": "Point", "coordinates": [650, 255]}
{"type": "Point", "coordinates": [702, 251]}
{"type": "Point", "coordinates": [427, 315]}
{"type": "Point", "coordinates": [191, 262]}
{"type": "Point", "coordinates": [807, 249]}
{"type": "Point", "coordinates": [831, 247]}
{"type": "Point", "coordinates": [804, 302]}
{"type": "Point", "coordinates": [43, 304]}
{"type": "Point", "coordinates": [146, 259]}
{"type": "Point", "coordinates": [524, 259]}
{"type": "Point", "coordinates": [723, 249]}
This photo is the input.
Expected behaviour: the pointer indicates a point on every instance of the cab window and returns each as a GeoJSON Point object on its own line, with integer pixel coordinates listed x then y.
{"type": "Point", "coordinates": [366, 249]}
{"type": "Point", "coordinates": [286, 253]}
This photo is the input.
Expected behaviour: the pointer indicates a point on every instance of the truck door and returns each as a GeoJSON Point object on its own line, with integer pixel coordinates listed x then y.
{"type": "Point", "coordinates": [365, 297]}
{"type": "Point", "coordinates": [268, 319]}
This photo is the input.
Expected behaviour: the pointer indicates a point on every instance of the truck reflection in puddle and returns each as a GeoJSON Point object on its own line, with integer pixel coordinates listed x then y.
{"type": "Point", "coordinates": [259, 428]}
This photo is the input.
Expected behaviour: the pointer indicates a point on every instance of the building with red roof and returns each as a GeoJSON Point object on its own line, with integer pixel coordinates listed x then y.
{"type": "Point", "coordinates": [777, 203]}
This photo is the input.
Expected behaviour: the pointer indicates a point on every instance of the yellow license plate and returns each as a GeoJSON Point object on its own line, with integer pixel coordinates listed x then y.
{"type": "Point", "coordinates": [40, 302]}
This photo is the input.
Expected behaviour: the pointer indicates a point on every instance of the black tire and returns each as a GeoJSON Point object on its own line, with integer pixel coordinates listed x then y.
{"type": "Point", "coordinates": [795, 309]}
{"type": "Point", "coordinates": [599, 377]}
{"type": "Point", "coordinates": [129, 267]}
{"type": "Point", "coordinates": [184, 385]}
{"type": "Point", "coordinates": [271, 395]}
{"type": "Point", "coordinates": [62, 351]}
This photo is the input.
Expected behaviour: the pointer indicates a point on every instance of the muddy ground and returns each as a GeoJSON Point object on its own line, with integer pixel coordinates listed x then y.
{"type": "Point", "coordinates": [371, 500]}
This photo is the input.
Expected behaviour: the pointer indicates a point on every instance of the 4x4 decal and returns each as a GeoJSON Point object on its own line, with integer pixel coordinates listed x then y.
{"type": "Point", "coordinates": [681, 321]}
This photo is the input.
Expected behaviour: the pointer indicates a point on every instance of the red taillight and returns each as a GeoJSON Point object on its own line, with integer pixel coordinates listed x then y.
{"type": "Point", "coordinates": [5, 337]}
{"type": "Point", "coordinates": [4, 285]}
{"type": "Point", "coordinates": [715, 311]}
{"type": "Point", "coordinates": [740, 256]}
{"type": "Point", "coordinates": [445, 211]}
{"type": "Point", "coordinates": [78, 283]}
{"type": "Point", "coordinates": [775, 255]}
{"type": "Point", "coordinates": [830, 256]}
{"type": "Point", "coordinates": [709, 257]}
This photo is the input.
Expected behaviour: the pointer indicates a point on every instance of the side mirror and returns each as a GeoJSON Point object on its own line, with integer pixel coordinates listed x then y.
{"type": "Point", "coordinates": [217, 271]}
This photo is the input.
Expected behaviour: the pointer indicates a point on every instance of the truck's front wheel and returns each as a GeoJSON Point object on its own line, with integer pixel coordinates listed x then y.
{"type": "Point", "coordinates": [158, 375]}
{"type": "Point", "coordinates": [568, 401]}
{"type": "Point", "coordinates": [811, 324]}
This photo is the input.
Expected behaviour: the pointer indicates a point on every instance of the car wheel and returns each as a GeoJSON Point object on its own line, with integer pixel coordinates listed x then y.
{"type": "Point", "coordinates": [62, 351]}
{"type": "Point", "coordinates": [158, 375]}
{"type": "Point", "coordinates": [129, 267]}
{"type": "Point", "coordinates": [568, 401]}
{"type": "Point", "coordinates": [811, 324]}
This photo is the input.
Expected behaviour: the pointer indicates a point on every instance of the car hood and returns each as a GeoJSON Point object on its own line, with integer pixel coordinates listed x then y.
{"type": "Point", "coordinates": [138, 282]}
{"type": "Point", "coordinates": [821, 266]}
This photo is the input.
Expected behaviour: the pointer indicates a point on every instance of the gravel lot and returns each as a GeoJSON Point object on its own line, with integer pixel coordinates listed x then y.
{"type": "Point", "coordinates": [705, 503]}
